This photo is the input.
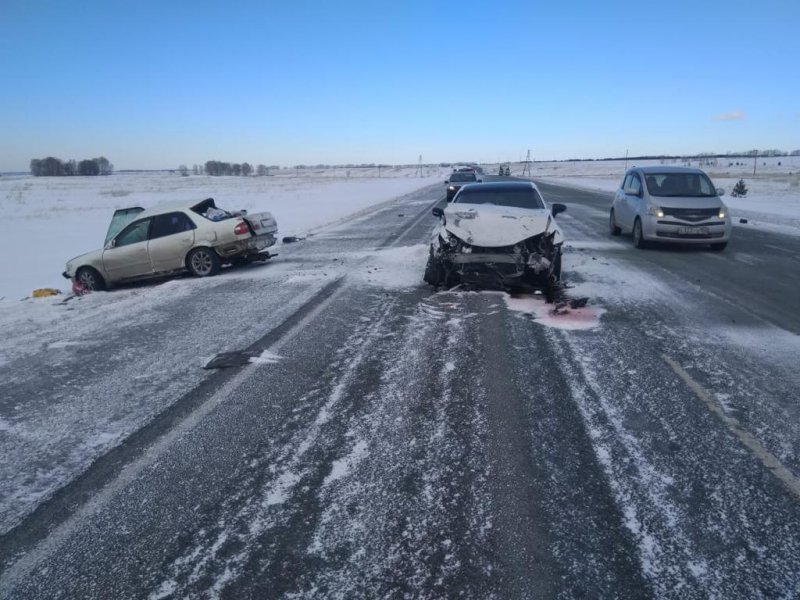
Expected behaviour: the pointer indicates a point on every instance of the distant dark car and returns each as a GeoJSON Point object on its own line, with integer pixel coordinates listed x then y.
{"type": "Point", "coordinates": [457, 179]}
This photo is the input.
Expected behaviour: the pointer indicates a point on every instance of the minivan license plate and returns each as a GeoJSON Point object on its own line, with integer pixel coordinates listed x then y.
{"type": "Point", "coordinates": [692, 230]}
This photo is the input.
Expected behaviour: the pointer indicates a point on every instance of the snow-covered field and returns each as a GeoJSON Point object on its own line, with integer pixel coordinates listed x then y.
{"type": "Point", "coordinates": [48, 220]}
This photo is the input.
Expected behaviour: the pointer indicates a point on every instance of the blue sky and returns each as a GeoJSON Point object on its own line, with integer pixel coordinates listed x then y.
{"type": "Point", "coordinates": [157, 84]}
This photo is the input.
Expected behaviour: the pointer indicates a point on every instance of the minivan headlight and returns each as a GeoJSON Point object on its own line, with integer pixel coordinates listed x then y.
{"type": "Point", "coordinates": [654, 210]}
{"type": "Point", "coordinates": [721, 212]}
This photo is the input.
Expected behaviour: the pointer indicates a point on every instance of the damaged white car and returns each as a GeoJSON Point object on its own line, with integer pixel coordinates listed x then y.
{"type": "Point", "coordinates": [498, 234]}
{"type": "Point", "coordinates": [173, 238]}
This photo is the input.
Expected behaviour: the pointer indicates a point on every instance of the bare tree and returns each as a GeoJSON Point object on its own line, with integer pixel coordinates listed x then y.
{"type": "Point", "coordinates": [88, 167]}
{"type": "Point", "coordinates": [183, 170]}
{"type": "Point", "coordinates": [104, 167]}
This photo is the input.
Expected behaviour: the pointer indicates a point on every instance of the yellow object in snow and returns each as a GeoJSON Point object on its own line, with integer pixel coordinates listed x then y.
{"type": "Point", "coordinates": [42, 292]}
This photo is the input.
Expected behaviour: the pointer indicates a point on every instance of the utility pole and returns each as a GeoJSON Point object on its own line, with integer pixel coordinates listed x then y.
{"type": "Point", "coordinates": [527, 167]}
{"type": "Point", "coordinates": [755, 162]}
{"type": "Point", "coordinates": [418, 172]}
{"type": "Point", "coordinates": [626, 159]}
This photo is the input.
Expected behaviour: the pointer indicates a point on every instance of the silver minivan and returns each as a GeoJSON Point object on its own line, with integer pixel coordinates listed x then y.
{"type": "Point", "coordinates": [670, 204]}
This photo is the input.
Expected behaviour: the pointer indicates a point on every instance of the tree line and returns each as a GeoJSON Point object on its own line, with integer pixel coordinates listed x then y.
{"type": "Point", "coordinates": [217, 168]}
{"type": "Point", "coordinates": [55, 167]}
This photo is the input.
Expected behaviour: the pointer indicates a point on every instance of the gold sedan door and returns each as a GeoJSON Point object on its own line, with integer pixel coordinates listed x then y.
{"type": "Point", "coordinates": [171, 238]}
{"type": "Point", "coordinates": [126, 254]}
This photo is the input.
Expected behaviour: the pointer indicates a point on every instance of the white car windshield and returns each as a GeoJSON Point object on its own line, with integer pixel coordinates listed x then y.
{"type": "Point", "coordinates": [519, 198]}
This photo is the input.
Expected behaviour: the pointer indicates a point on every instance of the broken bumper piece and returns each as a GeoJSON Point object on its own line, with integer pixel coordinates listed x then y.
{"type": "Point", "coordinates": [501, 270]}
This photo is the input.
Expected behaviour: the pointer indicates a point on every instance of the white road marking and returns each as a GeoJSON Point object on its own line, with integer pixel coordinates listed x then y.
{"type": "Point", "coordinates": [750, 442]}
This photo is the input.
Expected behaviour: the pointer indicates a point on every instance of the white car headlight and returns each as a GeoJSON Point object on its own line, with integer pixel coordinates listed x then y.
{"type": "Point", "coordinates": [722, 212]}
{"type": "Point", "coordinates": [654, 210]}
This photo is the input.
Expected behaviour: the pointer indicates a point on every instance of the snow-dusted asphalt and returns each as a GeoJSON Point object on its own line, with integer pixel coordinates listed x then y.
{"type": "Point", "coordinates": [395, 442]}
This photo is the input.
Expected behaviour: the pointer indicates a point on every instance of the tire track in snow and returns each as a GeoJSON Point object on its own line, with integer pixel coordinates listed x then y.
{"type": "Point", "coordinates": [248, 518]}
{"type": "Point", "coordinates": [690, 496]}
{"type": "Point", "coordinates": [412, 517]}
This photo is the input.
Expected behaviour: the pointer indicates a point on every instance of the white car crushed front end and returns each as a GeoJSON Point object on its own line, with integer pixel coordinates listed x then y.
{"type": "Point", "coordinates": [496, 246]}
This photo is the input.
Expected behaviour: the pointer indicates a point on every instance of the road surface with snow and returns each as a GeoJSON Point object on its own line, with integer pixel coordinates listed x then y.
{"type": "Point", "coordinates": [390, 441]}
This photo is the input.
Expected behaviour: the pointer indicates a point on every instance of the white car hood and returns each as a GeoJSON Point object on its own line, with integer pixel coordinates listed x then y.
{"type": "Point", "coordinates": [489, 225]}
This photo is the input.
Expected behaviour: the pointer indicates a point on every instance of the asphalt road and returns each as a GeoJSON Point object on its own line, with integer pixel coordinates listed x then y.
{"type": "Point", "coordinates": [417, 444]}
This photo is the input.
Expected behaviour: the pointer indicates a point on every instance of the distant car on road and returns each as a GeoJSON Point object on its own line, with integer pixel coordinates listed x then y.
{"type": "Point", "coordinates": [173, 238]}
{"type": "Point", "coordinates": [499, 234]}
{"type": "Point", "coordinates": [457, 179]}
{"type": "Point", "coordinates": [670, 204]}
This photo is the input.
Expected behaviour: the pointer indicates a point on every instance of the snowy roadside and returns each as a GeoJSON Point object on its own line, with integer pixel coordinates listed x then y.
{"type": "Point", "coordinates": [86, 409]}
{"type": "Point", "coordinates": [50, 220]}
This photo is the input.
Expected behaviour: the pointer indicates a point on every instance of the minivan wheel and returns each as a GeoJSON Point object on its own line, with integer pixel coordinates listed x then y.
{"type": "Point", "coordinates": [638, 238]}
{"type": "Point", "coordinates": [612, 224]}
{"type": "Point", "coordinates": [203, 262]}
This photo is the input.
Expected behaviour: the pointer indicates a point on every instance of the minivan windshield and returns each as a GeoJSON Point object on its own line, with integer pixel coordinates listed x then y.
{"type": "Point", "coordinates": [519, 198]}
{"type": "Point", "coordinates": [696, 185]}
